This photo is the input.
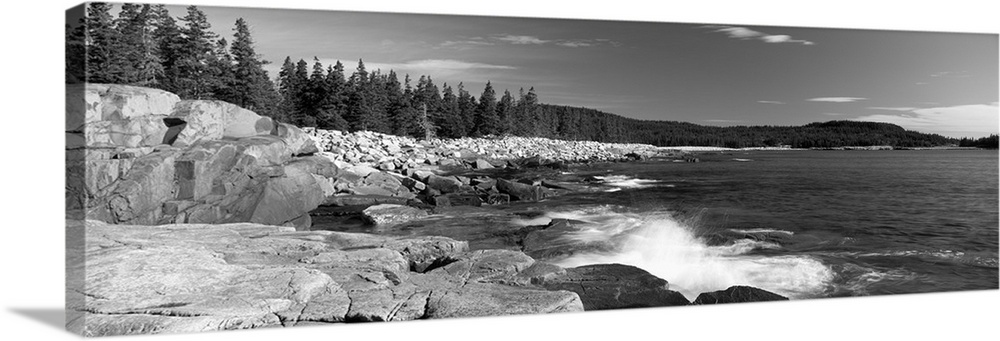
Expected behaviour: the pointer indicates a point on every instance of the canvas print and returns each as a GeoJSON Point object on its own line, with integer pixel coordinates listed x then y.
{"type": "Point", "coordinates": [236, 168]}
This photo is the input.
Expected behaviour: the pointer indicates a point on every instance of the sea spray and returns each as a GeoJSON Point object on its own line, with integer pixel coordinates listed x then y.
{"type": "Point", "coordinates": [670, 249]}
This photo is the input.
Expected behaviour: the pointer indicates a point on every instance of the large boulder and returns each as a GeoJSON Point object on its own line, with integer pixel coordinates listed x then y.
{"type": "Point", "coordinates": [86, 103]}
{"type": "Point", "coordinates": [137, 197]}
{"type": "Point", "coordinates": [519, 191]}
{"type": "Point", "coordinates": [214, 120]}
{"type": "Point", "coordinates": [487, 299]}
{"type": "Point", "coordinates": [615, 286]}
{"type": "Point", "coordinates": [443, 184]}
{"type": "Point", "coordinates": [140, 131]}
{"type": "Point", "coordinates": [738, 294]}
{"type": "Point", "coordinates": [299, 143]}
{"type": "Point", "coordinates": [288, 197]}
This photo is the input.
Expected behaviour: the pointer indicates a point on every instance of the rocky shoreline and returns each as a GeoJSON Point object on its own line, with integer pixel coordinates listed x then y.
{"type": "Point", "coordinates": [194, 215]}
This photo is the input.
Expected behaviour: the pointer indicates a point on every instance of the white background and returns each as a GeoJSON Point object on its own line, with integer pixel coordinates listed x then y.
{"type": "Point", "coordinates": [32, 189]}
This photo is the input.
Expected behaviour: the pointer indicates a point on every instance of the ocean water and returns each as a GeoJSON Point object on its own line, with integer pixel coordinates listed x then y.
{"type": "Point", "coordinates": [800, 223]}
{"type": "Point", "coordinates": [804, 224]}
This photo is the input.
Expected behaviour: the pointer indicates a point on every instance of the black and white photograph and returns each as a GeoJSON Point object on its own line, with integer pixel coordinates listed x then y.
{"type": "Point", "coordinates": [247, 166]}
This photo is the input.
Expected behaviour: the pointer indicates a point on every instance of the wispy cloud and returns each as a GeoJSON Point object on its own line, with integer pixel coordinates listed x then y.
{"type": "Point", "coordinates": [893, 108]}
{"type": "Point", "coordinates": [836, 99]}
{"type": "Point", "coordinates": [444, 64]}
{"type": "Point", "coordinates": [511, 39]}
{"type": "Point", "coordinates": [771, 102]}
{"type": "Point", "coordinates": [467, 43]}
{"type": "Point", "coordinates": [972, 120]}
{"type": "Point", "coordinates": [521, 40]}
{"type": "Point", "coordinates": [744, 33]}
{"type": "Point", "coordinates": [951, 74]}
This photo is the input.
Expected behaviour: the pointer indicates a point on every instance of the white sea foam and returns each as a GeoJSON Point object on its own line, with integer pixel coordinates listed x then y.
{"type": "Point", "coordinates": [658, 243]}
{"type": "Point", "coordinates": [623, 181]}
{"type": "Point", "coordinates": [753, 231]}
{"type": "Point", "coordinates": [861, 278]}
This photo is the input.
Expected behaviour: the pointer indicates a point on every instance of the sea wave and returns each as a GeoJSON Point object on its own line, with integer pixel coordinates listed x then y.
{"type": "Point", "coordinates": [623, 181]}
{"type": "Point", "coordinates": [762, 231]}
{"type": "Point", "coordinates": [932, 255]}
{"type": "Point", "coordinates": [858, 280]}
{"type": "Point", "coordinates": [670, 249]}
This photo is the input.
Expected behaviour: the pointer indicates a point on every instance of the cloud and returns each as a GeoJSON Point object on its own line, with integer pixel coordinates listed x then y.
{"type": "Point", "coordinates": [771, 102]}
{"type": "Point", "coordinates": [451, 64]}
{"type": "Point", "coordinates": [575, 43]}
{"type": "Point", "coordinates": [468, 43]}
{"type": "Point", "coordinates": [836, 99]}
{"type": "Point", "coordinates": [521, 40]}
{"type": "Point", "coordinates": [744, 33]}
{"type": "Point", "coordinates": [970, 120]}
{"type": "Point", "coordinates": [893, 108]}
{"type": "Point", "coordinates": [512, 39]}
{"type": "Point", "coordinates": [833, 114]}
{"type": "Point", "coordinates": [951, 74]}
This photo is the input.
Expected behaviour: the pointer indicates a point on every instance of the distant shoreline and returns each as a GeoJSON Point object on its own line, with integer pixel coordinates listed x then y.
{"type": "Point", "coordinates": [690, 149]}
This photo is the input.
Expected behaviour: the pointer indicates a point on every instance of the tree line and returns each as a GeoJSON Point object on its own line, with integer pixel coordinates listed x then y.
{"type": "Point", "coordinates": [988, 142]}
{"type": "Point", "coordinates": [328, 98]}
{"type": "Point", "coordinates": [145, 46]}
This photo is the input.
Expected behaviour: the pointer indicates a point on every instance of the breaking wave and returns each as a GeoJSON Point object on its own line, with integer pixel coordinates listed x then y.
{"type": "Point", "coordinates": [670, 249]}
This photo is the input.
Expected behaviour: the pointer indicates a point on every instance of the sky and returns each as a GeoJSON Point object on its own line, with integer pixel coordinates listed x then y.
{"type": "Point", "coordinates": [712, 74]}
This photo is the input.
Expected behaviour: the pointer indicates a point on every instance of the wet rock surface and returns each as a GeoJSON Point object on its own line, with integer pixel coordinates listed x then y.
{"type": "Point", "coordinates": [738, 294]}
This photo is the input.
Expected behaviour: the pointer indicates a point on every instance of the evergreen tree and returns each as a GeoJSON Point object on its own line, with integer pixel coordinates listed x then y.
{"type": "Point", "coordinates": [300, 93]}
{"type": "Point", "coordinates": [505, 110]}
{"type": "Point", "coordinates": [359, 107]}
{"type": "Point", "coordinates": [287, 90]}
{"type": "Point", "coordinates": [195, 73]}
{"type": "Point", "coordinates": [487, 121]}
{"type": "Point", "coordinates": [168, 40]}
{"type": "Point", "coordinates": [102, 42]}
{"type": "Point", "coordinates": [334, 104]}
{"type": "Point", "coordinates": [223, 85]}
{"type": "Point", "coordinates": [76, 53]}
{"type": "Point", "coordinates": [252, 89]}
{"type": "Point", "coordinates": [466, 110]}
{"type": "Point", "coordinates": [448, 120]}
{"type": "Point", "coordinates": [140, 64]}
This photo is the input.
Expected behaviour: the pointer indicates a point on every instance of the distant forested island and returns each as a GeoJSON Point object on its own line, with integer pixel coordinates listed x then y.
{"type": "Point", "coordinates": [145, 46]}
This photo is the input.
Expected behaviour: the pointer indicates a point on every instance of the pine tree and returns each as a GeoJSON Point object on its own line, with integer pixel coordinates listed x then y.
{"type": "Point", "coordinates": [168, 40]}
{"type": "Point", "coordinates": [466, 110]}
{"type": "Point", "coordinates": [299, 94]}
{"type": "Point", "coordinates": [137, 45]}
{"type": "Point", "coordinates": [486, 120]}
{"type": "Point", "coordinates": [252, 89]}
{"type": "Point", "coordinates": [334, 104]}
{"type": "Point", "coordinates": [505, 112]}
{"type": "Point", "coordinates": [102, 42]}
{"type": "Point", "coordinates": [359, 108]}
{"type": "Point", "coordinates": [76, 53]}
{"type": "Point", "coordinates": [223, 85]}
{"type": "Point", "coordinates": [195, 77]}
{"type": "Point", "coordinates": [448, 120]}
{"type": "Point", "coordinates": [286, 91]}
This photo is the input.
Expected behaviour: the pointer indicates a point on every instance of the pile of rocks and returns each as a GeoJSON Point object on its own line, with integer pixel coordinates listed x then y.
{"type": "Point", "coordinates": [390, 152]}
